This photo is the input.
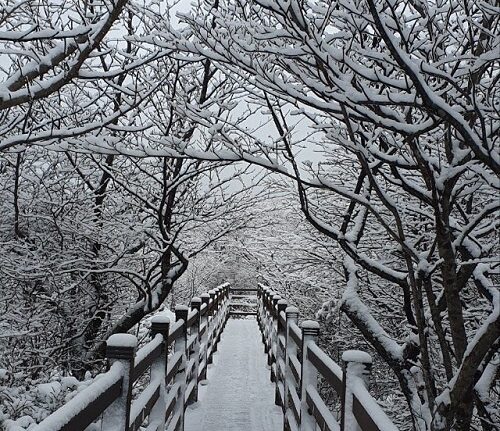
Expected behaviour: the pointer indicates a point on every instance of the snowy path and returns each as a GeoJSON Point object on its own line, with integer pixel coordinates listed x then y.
{"type": "Point", "coordinates": [239, 395]}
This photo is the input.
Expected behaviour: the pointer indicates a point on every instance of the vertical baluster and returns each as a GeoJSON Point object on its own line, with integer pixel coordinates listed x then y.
{"type": "Point", "coordinates": [292, 316]}
{"type": "Point", "coordinates": [274, 334]}
{"type": "Point", "coordinates": [219, 311]}
{"type": "Point", "coordinates": [205, 299]}
{"type": "Point", "coordinates": [265, 320]}
{"type": "Point", "coordinates": [121, 348]}
{"type": "Point", "coordinates": [160, 325]}
{"type": "Point", "coordinates": [280, 354]}
{"type": "Point", "coordinates": [213, 323]}
{"type": "Point", "coordinates": [181, 313]}
{"type": "Point", "coordinates": [357, 366]}
{"type": "Point", "coordinates": [195, 349]}
{"type": "Point", "coordinates": [309, 374]}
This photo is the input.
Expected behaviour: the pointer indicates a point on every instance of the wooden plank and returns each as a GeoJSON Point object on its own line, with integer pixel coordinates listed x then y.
{"type": "Point", "coordinates": [282, 342]}
{"type": "Point", "coordinates": [172, 396]}
{"type": "Point", "coordinates": [295, 403]}
{"type": "Point", "coordinates": [364, 419]}
{"type": "Point", "coordinates": [291, 421]}
{"type": "Point", "coordinates": [320, 411]}
{"type": "Point", "coordinates": [94, 409]}
{"type": "Point", "coordinates": [250, 289]}
{"type": "Point", "coordinates": [189, 390]}
{"type": "Point", "coordinates": [172, 366]}
{"type": "Point", "coordinates": [242, 304]}
{"type": "Point", "coordinates": [282, 319]}
{"type": "Point", "coordinates": [145, 411]}
{"type": "Point", "coordinates": [295, 367]}
{"type": "Point", "coordinates": [175, 330]}
{"type": "Point", "coordinates": [242, 313]}
{"type": "Point", "coordinates": [146, 362]}
{"type": "Point", "coordinates": [280, 394]}
{"type": "Point", "coordinates": [331, 372]}
{"type": "Point", "coordinates": [192, 318]}
{"type": "Point", "coordinates": [296, 334]}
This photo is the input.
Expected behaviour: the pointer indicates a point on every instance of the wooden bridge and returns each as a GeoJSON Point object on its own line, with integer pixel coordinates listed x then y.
{"type": "Point", "coordinates": [180, 381]}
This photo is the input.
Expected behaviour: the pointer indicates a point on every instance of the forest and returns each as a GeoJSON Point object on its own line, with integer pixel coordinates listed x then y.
{"type": "Point", "coordinates": [344, 152]}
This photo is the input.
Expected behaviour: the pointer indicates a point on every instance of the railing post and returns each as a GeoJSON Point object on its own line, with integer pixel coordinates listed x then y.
{"type": "Point", "coordinates": [265, 321]}
{"type": "Point", "coordinates": [195, 330]}
{"type": "Point", "coordinates": [226, 304]}
{"type": "Point", "coordinates": [292, 316]}
{"type": "Point", "coordinates": [309, 374]}
{"type": "Point", "coordinates": [213, 325]}
{"type": "Point", "coordinates": [273, 337]}
{"type": "Point", "coordinates": [205, 299]}
{"type": "Point", "coordinates": [280, 354]}
{"type": "Point", "coordinates": [160, 325]}
{"type": "Point", "coordinates": [356, 365]}
{"type": "Point", "coordinates": [219, 316]}
{"type": "Point", "coordinates": [181, 313]}
{"type": "Point", "coordinates": [121, 348]}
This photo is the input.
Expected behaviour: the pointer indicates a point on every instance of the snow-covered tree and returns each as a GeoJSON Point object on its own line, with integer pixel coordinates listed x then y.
{"type": "Point", "coordinates": [401, 97]}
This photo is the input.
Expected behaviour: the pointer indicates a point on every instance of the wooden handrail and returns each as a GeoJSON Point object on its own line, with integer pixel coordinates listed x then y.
{"type": "Point", "coordinates": [296, 388]}
{"type": "Point", "coordinates": [193, 339]}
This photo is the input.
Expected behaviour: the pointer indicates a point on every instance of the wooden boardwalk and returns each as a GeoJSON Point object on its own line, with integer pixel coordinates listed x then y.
{"type": "Point", "coordinates": [239, 395]}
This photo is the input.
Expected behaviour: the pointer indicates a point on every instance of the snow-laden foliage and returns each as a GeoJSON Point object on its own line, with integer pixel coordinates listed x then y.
{"type": "Point", "coordinates": [400, 98]}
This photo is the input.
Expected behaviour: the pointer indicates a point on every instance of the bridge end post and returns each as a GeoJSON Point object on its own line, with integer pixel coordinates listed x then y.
{"type": "Point", "coordinates": [121, 348]}
{"type": "Point", "coordinates": [160, 325]}
{"type": "Point", "coordinates": [357, 365]}
{"type": "Point", "coordinates": [309, 374]}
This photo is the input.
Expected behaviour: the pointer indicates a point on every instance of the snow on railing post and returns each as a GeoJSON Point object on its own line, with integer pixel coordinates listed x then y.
{"type": "Point", "coordinates": [205, 338]}
{"type": "Point", "coordinates": [121, 348]}
{"type": "Point", "coordinates": [292, 316]}
{"type": "Point", "coordinates": [309, 374]}
{"type": "Point", "coordinates": [181, 313]}
{"type": "Point", "coordinates": [357, 366]}
{"type": "Point", "coordinates": [274, 334]}
{"type": "Point", "coordinates": [195, 330]}
{"type": "Point", "coordinates": [160, 325]}
{"type": "Point", "coordinates": [213, 325]}
{"type": "Point", "coordinates": [280, 353]}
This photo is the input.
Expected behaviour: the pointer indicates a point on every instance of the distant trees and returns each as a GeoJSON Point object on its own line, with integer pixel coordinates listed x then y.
{"type": "Point", "coordinates": [401, 97]}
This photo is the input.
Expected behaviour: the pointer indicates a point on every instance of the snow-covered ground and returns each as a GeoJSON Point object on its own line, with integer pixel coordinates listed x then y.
{"type": "Point", "coordinates": [239, 395]}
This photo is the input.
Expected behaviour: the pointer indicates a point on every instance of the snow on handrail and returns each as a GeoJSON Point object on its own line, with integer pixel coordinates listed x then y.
{"type": "Point", "coordinates": [162, 400]}
{"type": "Point", "coordinates": [296, 351]}
{"type": "Point", "coordinates": [102, 391]}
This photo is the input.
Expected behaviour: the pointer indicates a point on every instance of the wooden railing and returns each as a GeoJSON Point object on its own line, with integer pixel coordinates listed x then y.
{"type": "Point", "coordinates": [296, 363]}
{"type": "Point", "coordinates": [176, 359]}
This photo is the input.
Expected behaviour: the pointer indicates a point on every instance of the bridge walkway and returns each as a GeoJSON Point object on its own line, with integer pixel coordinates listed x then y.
{"type": "Point", "coordinates": [238, 395]}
